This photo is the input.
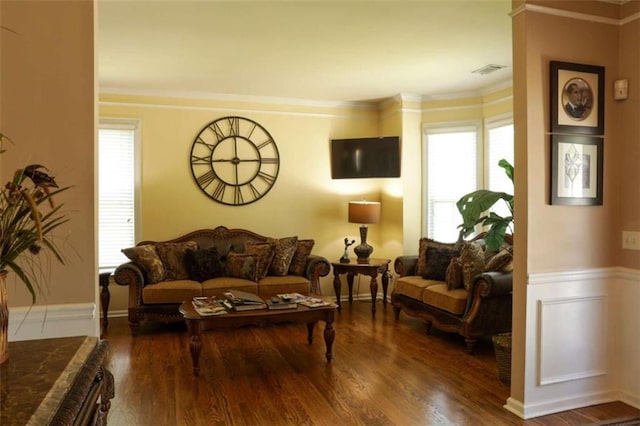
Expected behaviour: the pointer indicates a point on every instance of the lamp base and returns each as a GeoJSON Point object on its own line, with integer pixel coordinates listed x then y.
{"type": "Point", "coordinates": [363, 250]}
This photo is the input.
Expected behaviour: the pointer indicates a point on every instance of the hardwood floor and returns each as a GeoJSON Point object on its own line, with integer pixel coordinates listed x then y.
{"type": "Point", "coordinates": [383, 373]}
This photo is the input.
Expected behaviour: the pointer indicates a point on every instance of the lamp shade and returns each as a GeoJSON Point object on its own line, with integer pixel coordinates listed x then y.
{"type": "Point", "coordinates": [364, 212]}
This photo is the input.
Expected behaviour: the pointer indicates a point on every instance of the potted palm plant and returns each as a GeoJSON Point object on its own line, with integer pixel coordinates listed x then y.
{"type": "Point", "coordinates": [28, 215]}
{"type": "Point", "coordinates": [475, 209]}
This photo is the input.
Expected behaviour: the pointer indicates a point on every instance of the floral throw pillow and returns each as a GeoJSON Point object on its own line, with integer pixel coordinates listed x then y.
{"type": "Point", "coordinates": [263, 253]}
{"type": "Point", "coordinates": [300, 256]}
{"type": "Point", "coordinates": [172, 257]}
{"type": "Point", "coordinates": [472, 259]}
{"type": "Point", "coordinates": [453, 277]}
{"type": "Point", "coordinates": [424, 243]}
{"type": "Point", "coordinates": [146, 256]}
{"type": "Point", "coordinates": [241, 265]}
{"type": "Point", "coordinates": [283, 254]}
{"type": "Point", "coordinates": [502, 261]}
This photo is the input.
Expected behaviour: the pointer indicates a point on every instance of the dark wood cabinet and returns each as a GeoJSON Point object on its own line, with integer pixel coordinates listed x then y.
{"type": "Point", "coordinates": [62, 381]}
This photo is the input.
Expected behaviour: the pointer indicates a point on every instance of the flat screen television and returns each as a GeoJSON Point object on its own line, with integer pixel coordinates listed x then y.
{"type": "Point", "coordinates": [365, 158]}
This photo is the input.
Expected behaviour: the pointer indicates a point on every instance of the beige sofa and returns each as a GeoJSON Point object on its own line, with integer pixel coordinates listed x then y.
{"type": "Point", "coordinates": [207, 262]}
{"type": "Point", "coordinates": [468, 294]}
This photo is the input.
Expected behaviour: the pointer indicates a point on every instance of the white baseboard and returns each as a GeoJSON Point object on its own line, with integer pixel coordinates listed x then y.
{"type": "Point", "coordinates": [51, 321]}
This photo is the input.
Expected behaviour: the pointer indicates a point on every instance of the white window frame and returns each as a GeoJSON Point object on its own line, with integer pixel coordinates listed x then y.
{"type": "Point", "coordinates": [448, 127]}
{"type": "Point", "coordinates": [125, 124]}
{"type": "Point", "coordinates": [492, 123]}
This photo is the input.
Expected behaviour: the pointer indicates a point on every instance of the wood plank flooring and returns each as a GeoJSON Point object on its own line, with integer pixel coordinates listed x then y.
{"type": "Point", "coordinates": [383, 373]}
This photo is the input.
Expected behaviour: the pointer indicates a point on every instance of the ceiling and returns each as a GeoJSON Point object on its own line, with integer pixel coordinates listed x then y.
{"type": "Point", "coordinates": [338, 51]}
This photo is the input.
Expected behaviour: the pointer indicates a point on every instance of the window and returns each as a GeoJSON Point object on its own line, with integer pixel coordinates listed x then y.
{"type": "Point", "coordinates": [499, 146]}
{"type": "Point", "coordinates": [451, 171]}
{"type": "Point", "coordinates": [117, 173]}
{"type": "Point", "coordinates": [459, 161]}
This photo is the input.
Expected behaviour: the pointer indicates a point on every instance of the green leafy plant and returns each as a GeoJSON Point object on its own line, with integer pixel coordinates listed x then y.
{"type": "Point", "coordinates": [475, 209]}
{"type": "Point", "coordinates": [28, 216]}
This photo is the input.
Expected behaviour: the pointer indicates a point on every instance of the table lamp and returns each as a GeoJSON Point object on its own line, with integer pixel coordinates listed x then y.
{"type": "Point", "coordinates": [363, 212]}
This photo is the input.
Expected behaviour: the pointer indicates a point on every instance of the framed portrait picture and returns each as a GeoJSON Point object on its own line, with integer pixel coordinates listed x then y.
{"type": "Point", "coordinates": [577, 98]}
{"type": "Point", "coordinates": [576, 170]}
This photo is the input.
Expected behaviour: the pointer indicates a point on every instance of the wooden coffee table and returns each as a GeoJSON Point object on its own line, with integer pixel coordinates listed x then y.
{"type": "Point", "coordinates": [302, 314]}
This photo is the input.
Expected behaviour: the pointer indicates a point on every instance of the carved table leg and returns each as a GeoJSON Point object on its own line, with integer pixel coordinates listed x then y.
{"type": "Point", "coordinates": [105, 297]}
{"type": "Point", "coordinates": [337, 286]}
{"type": "Point", "coordinates": [329, 336]}
{"type": "Point", "coordinates": [310, 326]}
{"type": "Point", "coordinates": [195, 345]}
{"type": "Point", "coordinates": [385, 285]}
{"type": "Point", "coordinates": [350, 277]}
{"type": "Point", "coordinates": [374, 292]}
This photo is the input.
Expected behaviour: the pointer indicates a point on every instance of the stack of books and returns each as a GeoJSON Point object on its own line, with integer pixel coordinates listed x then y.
{"type": "Point", "coordinates": [243, 301]}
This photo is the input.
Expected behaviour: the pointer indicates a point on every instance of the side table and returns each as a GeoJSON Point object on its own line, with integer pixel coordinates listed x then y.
{"type": "Point", "coordinates": [374, 268]}
{"type": "Point", "coordinates": [105, 297]}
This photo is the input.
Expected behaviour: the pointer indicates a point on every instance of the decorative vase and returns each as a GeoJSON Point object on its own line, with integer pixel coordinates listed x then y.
{"type": "Point", "coordinates": [4, 318]}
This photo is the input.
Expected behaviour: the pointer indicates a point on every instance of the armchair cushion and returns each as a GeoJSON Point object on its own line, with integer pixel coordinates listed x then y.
{"type": "Point", "coordinates": [453, 301]}
{"type": "Point", "coordinates": [146, 256]}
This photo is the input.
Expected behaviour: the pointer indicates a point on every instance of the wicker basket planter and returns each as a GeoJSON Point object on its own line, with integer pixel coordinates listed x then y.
{"type": "Point", "coordinates": [502, 348]}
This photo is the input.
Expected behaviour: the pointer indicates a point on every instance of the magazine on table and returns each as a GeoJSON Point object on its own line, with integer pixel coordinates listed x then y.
{"type": "Point", "coordinates": [208, 306]}
{"type": "Point", "coordinates": [314, 302]}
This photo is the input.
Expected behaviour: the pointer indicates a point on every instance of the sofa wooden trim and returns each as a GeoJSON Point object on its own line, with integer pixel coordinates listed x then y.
{"type": "Point", "coordinates": [129, 274]}
{"type": "Point", "coordinates": [488, 309]}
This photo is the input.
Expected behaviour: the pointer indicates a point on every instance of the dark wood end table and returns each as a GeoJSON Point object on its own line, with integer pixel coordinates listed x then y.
{"type": "Point", "coordinates": [302, 314]}
{"type": "Point", "coordinates": [373, 268]}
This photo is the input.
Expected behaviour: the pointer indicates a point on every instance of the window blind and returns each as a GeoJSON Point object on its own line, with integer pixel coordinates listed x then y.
{"type": "Point", "coordinates": [500, 145]}
{"type": "Point", "coordinates": [451, 173]}
{"type": "Point", "coordinates": [116, 194]}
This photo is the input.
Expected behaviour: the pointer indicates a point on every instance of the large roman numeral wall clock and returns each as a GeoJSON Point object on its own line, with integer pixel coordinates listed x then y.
{"type": "Point", "coordinates": [235, 161]}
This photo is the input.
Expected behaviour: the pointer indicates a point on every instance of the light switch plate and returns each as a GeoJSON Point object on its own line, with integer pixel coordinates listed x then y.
{"type": "Point", "coordinates": [631, 240]}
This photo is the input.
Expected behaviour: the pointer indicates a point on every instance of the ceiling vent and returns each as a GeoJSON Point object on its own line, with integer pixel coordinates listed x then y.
{"type": "Point", "coordinates": [488, 69]}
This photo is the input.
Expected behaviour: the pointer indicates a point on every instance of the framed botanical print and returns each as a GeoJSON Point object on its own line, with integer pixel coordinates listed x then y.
{"type": "Point", "coordinates": [576, 170]}
{"type": "Point", "coordinates": [577, 98]}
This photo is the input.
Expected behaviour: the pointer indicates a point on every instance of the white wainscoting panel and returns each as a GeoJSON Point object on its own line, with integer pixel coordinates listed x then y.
{"type": "Point", "coordinates": [51, 321]}
{"type": "Point", "coordinates": [572, 332]}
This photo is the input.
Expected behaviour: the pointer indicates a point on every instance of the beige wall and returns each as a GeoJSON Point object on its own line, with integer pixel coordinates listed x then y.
{"type": "Point", "coordinates": [556, 239]}
{"type": "Point", "coordinates": [626, 169]}
{"type": "Point", "coordinates": [48, 109]}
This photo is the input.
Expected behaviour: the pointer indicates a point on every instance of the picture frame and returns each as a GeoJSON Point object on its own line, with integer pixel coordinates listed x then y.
{"type": "Point", "coordinates": [576, 170]}
{"type": "Point", "coordinates": [577, 98]}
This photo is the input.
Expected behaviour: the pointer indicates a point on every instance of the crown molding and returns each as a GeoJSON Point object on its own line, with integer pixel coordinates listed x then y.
{"type": "Point", "coordinates": [574, 15]}
{"type": "Point", "coordinates": [236, 98]}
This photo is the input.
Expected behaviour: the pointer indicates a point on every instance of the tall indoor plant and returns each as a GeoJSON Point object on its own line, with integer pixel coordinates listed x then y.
{"type": "Point", "coordinates": [475, 209]}
{"type": "Point", "coordinates": [27, 218]}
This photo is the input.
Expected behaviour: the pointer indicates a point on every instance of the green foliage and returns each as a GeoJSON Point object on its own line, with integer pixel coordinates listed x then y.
{"type": "Point", "coordinates": [27, 218]}
{"type": "Point", "coordinates": [475, 210]}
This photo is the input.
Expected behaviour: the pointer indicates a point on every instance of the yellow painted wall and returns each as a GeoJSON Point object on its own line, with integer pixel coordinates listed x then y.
{"type": "Point", "coordinates": [305, 201]}
{"type": "Point", "coordinates": [47, 98]}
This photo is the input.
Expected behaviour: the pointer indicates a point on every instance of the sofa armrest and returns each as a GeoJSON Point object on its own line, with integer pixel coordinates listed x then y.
{"type": "Point", "coordinates": [494, 283]}
{"type": "Point", "coordinates": [317, 266]}
{"type": "Point", "coordinates": [405, 265]}
{"type": "Point", "coordinates": [130, 274]}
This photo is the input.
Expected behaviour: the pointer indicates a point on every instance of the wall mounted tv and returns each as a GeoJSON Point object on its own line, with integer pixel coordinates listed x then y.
{"type": "Point", "coordinates": [365, 158]}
